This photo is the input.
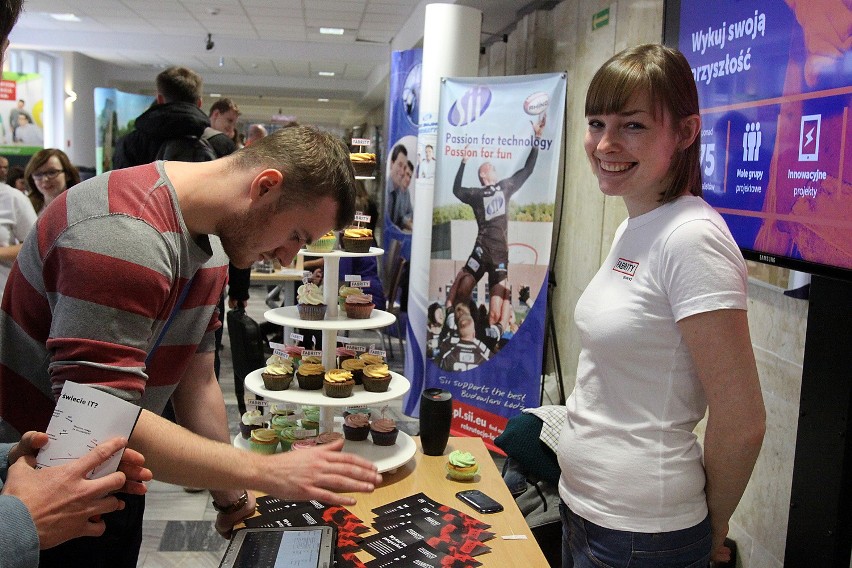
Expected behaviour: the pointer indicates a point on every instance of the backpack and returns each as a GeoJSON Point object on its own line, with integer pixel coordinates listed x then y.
{"type": "Point", "coordinates": [189, 148]}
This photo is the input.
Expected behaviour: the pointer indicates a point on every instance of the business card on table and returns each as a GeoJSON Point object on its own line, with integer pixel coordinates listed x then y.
{"type": "Point", "coordinates": [418, 554]}
{"type": "Point", "coordinates": [83, 418]}
{"type": "Point", "coordinates": [420, 503]}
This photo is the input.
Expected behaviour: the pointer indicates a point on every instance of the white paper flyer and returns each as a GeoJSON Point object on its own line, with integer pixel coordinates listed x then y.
{"type": "Point", "coordinates": [83, 418]}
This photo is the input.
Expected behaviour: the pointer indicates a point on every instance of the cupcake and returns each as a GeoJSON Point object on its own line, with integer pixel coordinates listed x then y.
{"type": "Point", "coordinates": [291, 435]}
{"type": "Point", "coordinates": [281, 421]}
{"type": "Point", "coordinates": [310, 376]}
{"type": "Point", "coordinates": [251, 420]}
{"type": "Point", "coordinates": [462, 466]}
{"type": "Point", "coordinates": [310, 417]}
{"type": "Point", "coordinates": [344, 292]}
{"type": "Point", "coordinates": [312, 359]}
{"type": "Point", "coordinates": [376, 378]}
{"type": "Point", "coordinates": [371, 358]}
{"type": "Point", "coordinates": [356, 239]}
{"type": "Point", "coordinates": [263, 441]}
{"type": "Point", "coordinates": [356, 367]}
{"type": "Point", "coordinates": [356, 427]}
{"type": "Point", "coordinates": [344, 354]}
{"type": "Point", "coordinates": [278, 373]}
{"type": "Point", "coordinates": [285, 409]}
{"type": "Point", "coordinates": [338, 383]}
{"type": "Point", "coordinates": [323, 244]}
{"type": "Point", "coordinates": [328, 437]}
{"type": "Point", "coordinates": [384, 431]}
{"type": "Point", "coordinates": [359, 306]}
{"type": "Point", "coordinates": [303, 444]}
{"type": "Point", "coordinates": [357, 410]}
{"type": "Point", "coordinates": [310, 302]}
{"type": "Point", "coordinates": [295, 353]}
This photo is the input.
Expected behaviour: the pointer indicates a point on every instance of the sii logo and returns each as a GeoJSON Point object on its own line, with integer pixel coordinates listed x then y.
{"type": "Point", "coordinates": [470, 106]}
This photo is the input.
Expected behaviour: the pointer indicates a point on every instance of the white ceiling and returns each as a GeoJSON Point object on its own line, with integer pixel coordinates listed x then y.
{"type": "Point", "coordinates": [267, 53]}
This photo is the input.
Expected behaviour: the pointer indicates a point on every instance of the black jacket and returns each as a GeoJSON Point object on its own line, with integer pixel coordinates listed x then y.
{"type": "Point", "coordinates": [160, 123]}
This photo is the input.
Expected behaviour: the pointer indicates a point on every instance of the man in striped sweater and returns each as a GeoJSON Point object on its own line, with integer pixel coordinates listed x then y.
{"type": "Point", "coordinates": [117, 286]}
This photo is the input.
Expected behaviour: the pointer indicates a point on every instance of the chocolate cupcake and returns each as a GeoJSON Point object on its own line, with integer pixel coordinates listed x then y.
{"type": "Point", "coordinates": [250, 420]}
{"type": "Point", "coordinates": [338, 383]}
{"type": "Point", "coordinates": [356, 367]}
{"type": "Point", "coordinates": [377, 378]}
{"type": "Point", "coordinates": [357, 239]}
{"type": "Point", "coordinates": [278, 373]}
{"type": "Point", "coordinates": [310, 376]}
{"type": "Point", "coordinates": [310, 302]}
{"type": "Point", "coordinates": [356, 427]}
{"type": "Point", "coordinates": [384, 431]}
{"type": "Point", "coordinates": [359, 306]}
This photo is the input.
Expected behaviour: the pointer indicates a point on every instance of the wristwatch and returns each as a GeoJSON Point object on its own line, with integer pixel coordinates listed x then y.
{"type": "Point", "coordinates": [233, 507]}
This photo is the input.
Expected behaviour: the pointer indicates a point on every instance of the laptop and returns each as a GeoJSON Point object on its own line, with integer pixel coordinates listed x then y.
{"type": "Point", "coordinates": [281, 547]}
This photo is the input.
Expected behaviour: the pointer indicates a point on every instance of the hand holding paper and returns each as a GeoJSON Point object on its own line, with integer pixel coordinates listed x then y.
{"type": "Point", "coordinates": [63, 503]}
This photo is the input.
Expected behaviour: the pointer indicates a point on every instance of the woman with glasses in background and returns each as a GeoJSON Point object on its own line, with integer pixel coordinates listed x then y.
{"type": "Point", "coordinates": [50, 172]}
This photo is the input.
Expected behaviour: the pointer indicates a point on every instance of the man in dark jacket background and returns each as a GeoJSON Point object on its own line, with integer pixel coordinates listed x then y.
{"type": "Point", "coordinates": [176, 113]}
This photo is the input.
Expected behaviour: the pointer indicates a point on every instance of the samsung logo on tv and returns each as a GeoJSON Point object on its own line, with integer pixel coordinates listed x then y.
{"type": "Point", "coordinates": [766, 258]}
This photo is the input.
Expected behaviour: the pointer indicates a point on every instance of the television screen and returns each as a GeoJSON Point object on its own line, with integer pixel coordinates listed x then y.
{"type": "Point", "coordinates": [774, 83]}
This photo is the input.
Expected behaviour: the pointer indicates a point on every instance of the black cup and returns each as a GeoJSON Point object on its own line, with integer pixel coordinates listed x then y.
{"type": "Point", "coordinates": [436, 413]}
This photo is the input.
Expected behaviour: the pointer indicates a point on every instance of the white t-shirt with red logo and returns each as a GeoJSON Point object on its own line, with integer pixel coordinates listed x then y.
{"type": "Point", "coordinates": [629, 458]}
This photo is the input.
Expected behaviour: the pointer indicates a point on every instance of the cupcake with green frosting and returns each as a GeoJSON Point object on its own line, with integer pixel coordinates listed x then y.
{"type": "Point", "coordinates": [310, 417]}
{"type": "Point", "coordinates": [290, 435]}
{"type": "Point", "coordinates": [462, 466]}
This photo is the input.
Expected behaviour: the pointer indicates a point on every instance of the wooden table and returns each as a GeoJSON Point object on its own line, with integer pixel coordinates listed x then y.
{"type": "Point", "coordinates": [281, 276]}
{"type": "Point", "coordinates": [427, 474]}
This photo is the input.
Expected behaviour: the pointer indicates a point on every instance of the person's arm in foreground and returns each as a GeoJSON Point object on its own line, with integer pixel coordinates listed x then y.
{"type": "Point", "coordinates": [60, 501]}
{"type": "Point", "coordinates": [720, 346]}
{"type": "Point", "coordinates": [179, 456]}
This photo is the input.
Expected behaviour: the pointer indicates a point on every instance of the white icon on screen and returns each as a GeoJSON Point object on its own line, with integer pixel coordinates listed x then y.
{"type": "Point", "coordinates": [752, 139]}
{"type": "Point", "coordinates": [809, 138]}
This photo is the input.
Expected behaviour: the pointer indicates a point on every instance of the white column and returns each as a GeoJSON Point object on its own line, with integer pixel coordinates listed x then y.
{"type": "Point", "coordinates": [450, 49]}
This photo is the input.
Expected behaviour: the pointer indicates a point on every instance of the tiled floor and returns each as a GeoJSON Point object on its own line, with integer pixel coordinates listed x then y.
{"type": "Point", "coordinates": [178, 529]}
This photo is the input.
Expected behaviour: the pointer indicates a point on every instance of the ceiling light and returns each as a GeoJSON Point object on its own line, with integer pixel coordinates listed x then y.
{"type": "Point", "coordinates": [66, 17]}
{"type": "Point", "coordinates": [322, 100]}
{"type": "Point", "coordinates": [216, 95]}
{"type": "Point", "coordinates": [326, 73]}
{"type": "Point", "coordinates": [332, 31]}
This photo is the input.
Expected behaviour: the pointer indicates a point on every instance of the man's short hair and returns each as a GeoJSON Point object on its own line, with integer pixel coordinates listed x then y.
{"type": "Point", "coordinates": [314, 164]}
{"type": "Point", "coordinates": [397, 150]}
{"type": "Point", "coordinates": [179, 84]}
{"type": "Point", "coordinates": [223, 105]}
{"type": "Point", "coordinates": [9, 12]}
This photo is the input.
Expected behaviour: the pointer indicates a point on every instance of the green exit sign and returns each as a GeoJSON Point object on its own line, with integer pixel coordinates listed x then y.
{"type": "Point", "coordinates": [600, 19]}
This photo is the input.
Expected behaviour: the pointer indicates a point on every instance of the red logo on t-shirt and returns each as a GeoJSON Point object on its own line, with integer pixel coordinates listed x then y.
{"type": "Point", "coordinates": [625, 266]}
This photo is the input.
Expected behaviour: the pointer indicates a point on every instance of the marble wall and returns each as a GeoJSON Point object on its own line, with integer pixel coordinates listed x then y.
{"type": "Point", "coordinates": [562, 39]}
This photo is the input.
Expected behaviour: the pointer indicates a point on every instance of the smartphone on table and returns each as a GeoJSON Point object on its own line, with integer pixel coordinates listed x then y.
{"type": "Point", "coordinates": [479, 501]}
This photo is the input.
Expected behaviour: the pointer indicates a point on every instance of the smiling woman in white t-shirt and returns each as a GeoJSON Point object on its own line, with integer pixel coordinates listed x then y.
{"type": "Point", "coordinates": [664, 337]}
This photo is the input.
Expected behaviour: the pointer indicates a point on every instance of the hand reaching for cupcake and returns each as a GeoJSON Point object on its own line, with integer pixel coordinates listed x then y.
{"type": "Point", "coordinates": [321, 473]}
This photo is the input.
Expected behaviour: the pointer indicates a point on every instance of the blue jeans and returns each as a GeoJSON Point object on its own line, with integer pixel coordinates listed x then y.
{"type": "Point", "coordinates": [587, 545]}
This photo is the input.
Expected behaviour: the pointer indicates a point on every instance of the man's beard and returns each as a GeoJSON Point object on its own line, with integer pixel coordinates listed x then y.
{"type": "Point", "coordinates": [239, 239]}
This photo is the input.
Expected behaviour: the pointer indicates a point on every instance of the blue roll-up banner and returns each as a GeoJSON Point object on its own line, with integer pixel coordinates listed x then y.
{"type": "Point", "coordinates": [495, 190]}
{"type": "Point", "coordinates": [400, 165]}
